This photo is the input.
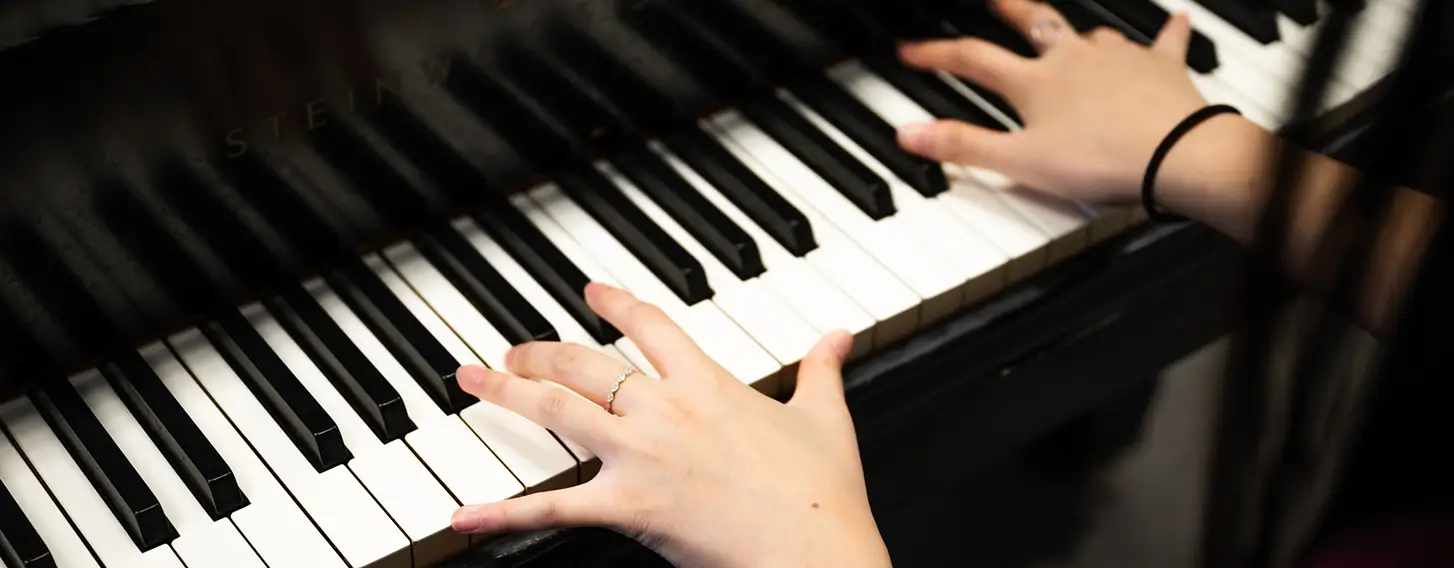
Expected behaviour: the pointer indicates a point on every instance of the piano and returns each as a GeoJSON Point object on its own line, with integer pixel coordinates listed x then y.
{"type": "Point", "coordinates": [246, 245]}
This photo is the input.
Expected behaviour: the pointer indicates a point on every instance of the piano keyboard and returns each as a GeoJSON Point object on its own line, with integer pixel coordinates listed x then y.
{"type": "Point", "coordinates": [321, 427]}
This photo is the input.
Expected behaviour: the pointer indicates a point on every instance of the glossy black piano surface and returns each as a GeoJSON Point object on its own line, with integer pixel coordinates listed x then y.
{"type": "Point", "coordinates": [270, 180]}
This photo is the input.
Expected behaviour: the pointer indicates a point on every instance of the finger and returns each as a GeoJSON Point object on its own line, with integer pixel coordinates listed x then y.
{"type": "Point", "coordinates": [951, 141]}
{"type": "Point", "coordinates": [552, 407]}
{"type": "Point", "coordinates": [1103, 35]}
{"type": "Point", "coordinates": [574, 507]}
{"type": "Point", "coordinates": [972, 58]}
{"type": "Point", "coordinates": [665, 345]}
{"type": "Point", "coordinates": [577, 367]}
{"type": "Point", "coordinates": [1174, 38]}
{"type": "Point", "coordinates": [820, 375]}
{"type": "Point", "coordinates": [1024, 14]}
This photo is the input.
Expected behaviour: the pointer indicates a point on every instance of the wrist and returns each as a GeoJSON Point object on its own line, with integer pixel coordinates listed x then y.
{"type": "Point", "coordinates": [1215, 171]}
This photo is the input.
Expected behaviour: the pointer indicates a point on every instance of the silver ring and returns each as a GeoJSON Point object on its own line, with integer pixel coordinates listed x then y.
{"type": "Point", "coordinates": [1045, 31]}
{"type": "Point", "coordinates": [621, 378]}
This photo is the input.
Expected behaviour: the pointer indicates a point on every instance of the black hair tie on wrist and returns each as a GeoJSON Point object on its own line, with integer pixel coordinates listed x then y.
{"type": "Point", "coordinates": [1148, 186]}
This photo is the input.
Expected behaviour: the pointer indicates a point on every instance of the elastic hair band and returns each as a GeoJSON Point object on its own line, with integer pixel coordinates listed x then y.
{"type": "Point", "coordinates": [1148, 199]}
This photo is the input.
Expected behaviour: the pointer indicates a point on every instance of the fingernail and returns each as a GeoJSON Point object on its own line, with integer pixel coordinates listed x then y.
{"type": "Point", "coordinates": [594, 289]}
{"type": "Point", "coordinates": [510, 355]}
{"type": "Point", "coordinates": [915, 136]}
{"type": "Point", "coordinates": [470, 377]}
{"type": "Point", "coordinates": [842, 343]}
{"type": "Point", "coordinates": [465, 521]}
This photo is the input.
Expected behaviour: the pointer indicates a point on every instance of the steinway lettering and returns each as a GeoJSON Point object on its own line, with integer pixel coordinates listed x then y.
{"type": "Point", "coordinates": [306, 117]}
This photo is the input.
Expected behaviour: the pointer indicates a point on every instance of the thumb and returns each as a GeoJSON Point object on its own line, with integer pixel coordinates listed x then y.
{"type": "Point", "coordinates": [1175, 37]}
{"type": "Point", "coordinates": [951, 141]}
{"type": "Point", "coordinates": [573, 507]}
{"type": "Point", "coordinates": [820, 374]}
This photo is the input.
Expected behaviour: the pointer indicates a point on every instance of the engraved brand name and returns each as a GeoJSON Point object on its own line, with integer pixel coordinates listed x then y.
{"type": "Point", "coordinates": [316, 113]}
{"type": "Point", "coordinates": [310, 116]}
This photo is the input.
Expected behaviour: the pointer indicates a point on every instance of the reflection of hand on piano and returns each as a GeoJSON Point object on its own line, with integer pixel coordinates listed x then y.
{"type": "Point", "coordinates": [695, 464]}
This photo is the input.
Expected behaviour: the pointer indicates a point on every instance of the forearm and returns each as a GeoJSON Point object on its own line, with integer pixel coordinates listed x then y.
{"type": "Point", "coordinates": [1220, 175]}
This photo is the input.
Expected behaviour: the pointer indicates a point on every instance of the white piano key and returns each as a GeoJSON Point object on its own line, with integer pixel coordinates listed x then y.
{"type": "Point", "coordinates": [66, 547]}
{"type": "Point", "coordinates": [718, 336]}
{"type": "Point", "coordinates": [335, 500]}
{"type": "Point", "coordinates": [774, 325]}
{"type": "Point", "coordinates": [821, 304]}
{"type": "Point", "coordinates": [889, 240]}
{"type": "Point", "coordinates": [956, 243]}
{"type": "Point", "coordinates": [1268, 73]}
{"type": "Point", "coordinates": [74, 493]}
{"type": "Point", "coordinates": [1216, 91]}
{"type": "Point", "coordinates": [443, 442]}
{"type": "Point", "coordinates": [1022, 243]}
{"type": "Point", "coordinates": [884, 295]}
{"type": "Point", "coordinates": [530, 451]}
{"type": "Point", "coordinates": [390, 472]}
{"type": "Point", "coordinates": [200, 540]}
{"type": "Point", "coordinates": [271, 522]}
{"type": "Point", "coordinates": [538, 297]}
{"type": "Point", "coordinates": [582, 259]}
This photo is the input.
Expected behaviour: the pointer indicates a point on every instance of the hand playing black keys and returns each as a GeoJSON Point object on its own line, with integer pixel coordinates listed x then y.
{"type": "Point", "coordinates": [1094, 107]}
{"type": "Point", "coordinates": [696, 465]}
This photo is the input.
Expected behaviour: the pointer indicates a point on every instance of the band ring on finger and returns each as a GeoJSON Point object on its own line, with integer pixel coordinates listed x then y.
{"type": "Point", "coordinates": [616, 387]}
{"type": "Point", "coordinates": [1045, 32]}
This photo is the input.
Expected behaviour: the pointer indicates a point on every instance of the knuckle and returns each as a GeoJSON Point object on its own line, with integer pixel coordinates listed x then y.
{"type": "Point", "coordinates": [495, 389]}
{"type": "Point", "coordinates": [553, 404]}
{"type": "Point", "coordinates": [564, 360]}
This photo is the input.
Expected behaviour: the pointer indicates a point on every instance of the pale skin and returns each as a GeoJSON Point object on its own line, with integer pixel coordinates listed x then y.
{"type": "Point", "coordinates": [707, 472]}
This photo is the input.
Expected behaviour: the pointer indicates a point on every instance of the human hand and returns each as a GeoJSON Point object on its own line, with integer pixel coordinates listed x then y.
{"type": "Point", "coordinates": [1094, 107]}
{"type": "Point", "coordinates": [696, 465]}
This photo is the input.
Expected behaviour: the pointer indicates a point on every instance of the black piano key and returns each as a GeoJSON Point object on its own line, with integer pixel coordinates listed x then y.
{"type": "Point", "coordinates": [275, 386]}
{"type": "Point", "coordinates": [1080, 16]}
{"type": "Point", "coordinates": [428, 362]}
{"type": "Point", "coordinates": [974, 19]}
{"type": "Point", "coordinates": [675, 195]}
{"type": "Point", "coordinates": [594, 193]}
{"type": "Point", "coordinates": [20, 545]}
{"type": "Point", "coordinates": [114, 478]}
{"type": "Point", "coordinates": [856, 30]}
{"type": "Point", "coordinates": [1304, 12]}
{"type": "Point", "coordinates": [715, 62]}
{"type": "Point", "coordinates": [195, 460]}
{"type": "Point", "coordinates": [871, 132]}
{"type": "Point", "coordinates": [341, 361]}
{"type": "Point", "coordinates": [840, 169]}
{"type": "Point", "coordinates": [1145, 20]}
{"type": "Point", "coordinates": [546, 263]}
{"type": "Point", "coordinates": [759, 201]}
{"type": "Point", "coordinates": [565, 104]}
{"type": "Point", "coordinates": [447, 167]}
{"type": "Point", "coordinates": [461, 263]}
{"type": "Point", "coordinates": [1256, 18]}
{"type": "Point", "coordinates": [438, 241]}
{"type": "Point", "coordinates": [940, 99]}
{"type": "Point", "coordinates": [497, 106]}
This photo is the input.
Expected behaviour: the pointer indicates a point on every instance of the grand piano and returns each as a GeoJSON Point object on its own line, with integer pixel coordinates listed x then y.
{"type": "Point", "coordinates": [247, 243]}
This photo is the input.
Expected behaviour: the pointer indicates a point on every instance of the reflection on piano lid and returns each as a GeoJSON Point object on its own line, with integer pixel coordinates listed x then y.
{"type": "Point", "coordinates": [237, 317]}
